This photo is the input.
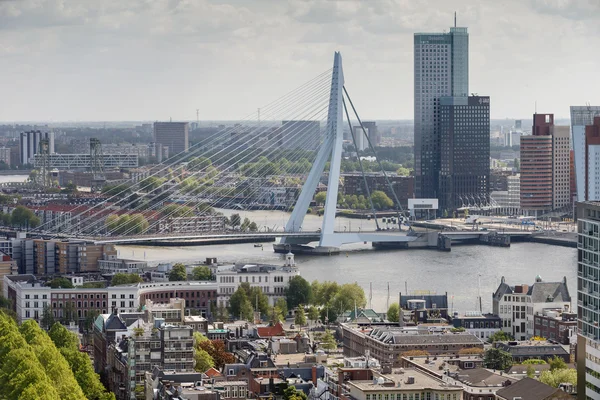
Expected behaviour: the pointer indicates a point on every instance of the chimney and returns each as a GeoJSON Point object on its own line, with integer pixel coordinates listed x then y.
{"type": "Point", "coordinates": [314, 375]}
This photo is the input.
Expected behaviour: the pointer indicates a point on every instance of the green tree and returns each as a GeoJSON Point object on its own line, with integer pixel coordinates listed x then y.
{"type": "Point", "coordinates": [280, 309]}
{"type": "Point", "coordinates": [62, 337]}
{"type": "Point", "coordinates": [239, 305]}
{"type": "Point", "coordinates": [201, 273]}
{"type": "Point", "coordinates": [381, 201]}
{"type": "Point", "coordinates": [203, 360]}
{"type": "Point", "coordinates": [199, 163]}
{"type": "Point", "coordinates": [245, 225]}
{"type": "Point", "coordinates": [177, 210]}
{"type": "Point", "coordinates": [530, 371]}
{"type": "Point", "coordinates": [497, 359]}
{"type": "Point", "coordinates": [47, 319]}
{"type": "Point", "coordinates": [151, 183]}
{"type": "Point", "coordinates": [517, 164]}
{"type": "Point", "coordinates": [178, 273]}
{"type": "Point", "coordinates": [534, 361]}
{"type": "Point", "coordinates": [122, 278]}
{"type": "Point", "coordinates": [299, 291]}
{"type": "Point", "coordinates": [252, 227]}
{"type": "Point", "coordinates": [62, 283]}
{"type": "Point", "coordinates": [320, 198]}
{"type": "Point", "coordinates": [218, 353]}
{"type": "Point", "coordinates": [258, 299]}
{"type": "Point", "coordinates": [22, 375]}
{"type": "Point", "coordinates": [138, 224]}
{"type": "Point", "coordinates": [393, 313]}
{"type": "Point", "coordinates": [300, 317]}
{"type": "Point", "coordinates": [403, 171]}
{"type": "Point", "coordinates": [291, 393]}
{"type": "Point", "coordinates": [235, 220]}
{"type": "Point", "coordinates": [499, 336]}
{"type": "Point", "coordinates": [557, 363]}
{"type": "Point", "coordinates": [324, 292]}
{"type": "Point", "coordinates": [328, 341]}
{"type": "Point", "coordinates": [313, 313]}
{"type": "Point", "coordinates": [24, 217]}
{"type": "Point", "coordinates": [349, 296]}
{"type": "Point", "coordinates": [558, 376]}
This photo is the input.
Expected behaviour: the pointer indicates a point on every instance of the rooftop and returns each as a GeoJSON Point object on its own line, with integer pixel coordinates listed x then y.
{"type": "Point", "coordinates": [400, 380]}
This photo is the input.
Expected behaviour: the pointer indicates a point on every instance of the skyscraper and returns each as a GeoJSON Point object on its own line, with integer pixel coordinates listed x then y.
{"type": "Point", "coordinates": [441, 63]}
{"type": "Point", "coordinates": [29, 144]}
{"type": "Point", "coordinates": [581, 116]}
{"type": "Point", "coordinates": [588, 300]}
{"type": "Point", "coordinates": [172, 134]}
{"type": "Point", "coordinates": [464, 130]}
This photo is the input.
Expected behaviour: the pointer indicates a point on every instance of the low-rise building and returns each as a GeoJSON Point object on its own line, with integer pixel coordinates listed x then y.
{"type": "Point", "coordinates": [388, 343]}
{"type": "Point", "coordinates": [272, 279]}
{"type": "Point", "coordinates": [117, 265]}
{"type": "Point", "coordinates": [531, 389]}
{"type": "Point", "coordinates": [480, 325]}
{"type": "Point", "coordinates": [533, 349]}
{"type": "Point", "coordinates": [558, 325]}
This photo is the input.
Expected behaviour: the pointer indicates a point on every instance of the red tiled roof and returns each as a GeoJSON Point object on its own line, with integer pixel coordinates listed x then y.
{"type": "Point", "coordinates": [211, 373]}
{"type": "Point", "coordinates": [269, 331]}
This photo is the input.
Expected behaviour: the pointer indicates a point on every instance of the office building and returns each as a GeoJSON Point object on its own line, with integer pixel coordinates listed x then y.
{"type": "Point", "coordinates": [464, 142]}
{"type": "Point", "coordinates": [588, 299]}
{"type": "Point", "coordinates": [172, 134]}
{"type": "Point", "coordinates": [370, 128]}
{"type": "Point", "coordinates": [441, 62]}
{"type": "Point", "coordinates": [29, 144]}
{"type": "Point", "coordinates": [591, 157]}
{"type": "Point", "coordinates": [581, 116]}
{"type": "Point", "coordinates": [508, 202]}
{"type": "Point", "coordinates": [517, 305]}
{"type": "Point", "coordinates": [5, 155]}
{"type": "Point", "coordinates": [300, 135]}
{"type": "Point", "coordinates": [545, 167]}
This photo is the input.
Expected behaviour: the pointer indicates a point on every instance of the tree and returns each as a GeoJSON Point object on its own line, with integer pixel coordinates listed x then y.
{"type": "Point", "coordinates": [381, 201]}
{"type": "Point", "coordinates": [291, 393]}
{"type": "Point", "coordinates": [245, 225]}
{"type": "Point", "coordinates": [324, 292]}
{"type": "Point", "coordinates": [313, 313]}
{"type": "Point", "coordinates": [557, 363]}
{"type": "Point", "coordinates": [151, 183]}
{"type": "Point", "coordinates": [298, 292]}
{"type": "Point", "coordinates": [393, 313]}
{"type": "Point", "coordinates": [122, 278]}
{"type": "Point", "coordinates": [239, 305]}
{"type": "Point", "coordinates": [201, 273]}
{"type": "Point", "coordinates": [530, 371]}
{"type": "Point", "coordinates": [558, 376]}
{"type": "Point", "coordinates": [280, 308]}
{"type": "Point", "coordinates": [23, 216]}
{"type": "Point", "coordinates": [320, 198]}
{"type": "Point", "coordinates": [62, 337]}
{"type": "Point", "coordinates": [403, 171]}
{"type": "Point", "coordinates": [253, 227]}
{"type": "Point", "coordinates": [499, 336]}
{"type": "Point", "coordinates": [216, 350]}
{"type": "Point", "coordinates": [47, 317]}
{"type": "Point", "coordinates": [517, 164]}
{"type": "Point", "coordinates": [497, 359]}
{"type": "Point", "coordinates": [61, 283]}
{"type": "Point", "coordinates": [350, 295]}
{"type": "Point", "coordinates": [300, 318]}
{"type": "Point", "coordinates": [235, 220]}
{"type": "Point", "coordinates": [259, 300]}
{"type": "Point", "coordinates": [534, 361]}
{"type": "Point", "coordinates": [178, 273]}
{"type": "Point", "coordinates": [203, 360]}
{"type": "Point", "coordinates": [328, 341]}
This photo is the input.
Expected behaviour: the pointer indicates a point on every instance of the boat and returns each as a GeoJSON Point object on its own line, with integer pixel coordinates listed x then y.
{"type": "Point", "coordinates": [258, 245]}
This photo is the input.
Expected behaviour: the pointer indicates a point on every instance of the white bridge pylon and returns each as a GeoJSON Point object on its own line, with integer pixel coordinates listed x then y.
{"type": "Point", "coordinates": [331, 149]}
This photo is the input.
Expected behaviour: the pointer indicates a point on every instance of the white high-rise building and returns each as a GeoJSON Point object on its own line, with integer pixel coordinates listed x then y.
{"type": "Point", "coordinates": [29, 145]}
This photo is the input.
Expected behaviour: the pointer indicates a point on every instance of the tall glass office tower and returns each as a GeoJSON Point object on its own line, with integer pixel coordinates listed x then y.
{"type": "Point", "coordinates": [441, 69]}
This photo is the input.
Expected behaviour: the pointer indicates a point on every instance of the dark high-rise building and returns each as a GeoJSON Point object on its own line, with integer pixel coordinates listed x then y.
{"type": "Point", "coordinates": [464, 132]}
{"type": "Point", "coordinates": [441, 63]}
{"type": "Point", "coordinates": [172, 134]}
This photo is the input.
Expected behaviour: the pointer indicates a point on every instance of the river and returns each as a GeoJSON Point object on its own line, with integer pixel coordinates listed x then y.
{"type": "Point", "coordinates": [13, 178]}
{"type": "Point", "coordinates": [456, 272]}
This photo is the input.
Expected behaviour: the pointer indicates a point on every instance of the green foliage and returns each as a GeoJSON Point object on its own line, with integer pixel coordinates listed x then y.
{"type": "Point", "coordinates": [126, 224]}
{"type": "Point", "coordinates": [558, 376]}
{"type": "Point", "coordinates": [151, 183]}
{"type": "Point", "coordinates": [216, 350]}
{"type": "Point", "coordinates": [320, 198]}
{"type": "Point", "coordinates": [393, 313]}
{"type": "Point", "coordinates": [201, 273]}
{"type": "Point", "coordinates": [240, 306]}
{"type": "Point", "coordinates": [122, 278]}
{"type": "Point", "coordinates": [534, 361]}
{"type": "Point", "coordinates": [176, 210]}
{"type": "Point", "coordinates": [121, 190]}
{"type": "Point", "coordinates": [62, 337]}
{"type": "Point", "coordinates": [499, 336]}
{"type": "Point", "coordinates": [299, 291]}
{"type": "Point", "coordinates": [328, 341]}
{"type": "Point", "coordinates": [23, 217]}
{"type": "Point", "coordinates": [313, 313]}
{"type": "Point", "coordinates": [530, 371]}
{"type": "Point", "coordinates": [203, 360]}
{"type": "Point", "coordinates": [300, 317]}
{"type": "Point", "coordinates": [55, 366]}
{"type": "Point", "coordinates": [199, 163]}
{"type": "Point", "coordinates": [381, 201]}
{"type": "Point", "coordinates": [178, 273]}
{"type": "Point", "coordinates": [252, 227]}
{"type": "Point", "coordinates": [235, 220]}
{"type": "Point", "coordinates": [245, 225]}
{"type": "Point", "coordinates": [457, 330]}
{"type": "Point", "coordinates": [280, 309]}
{"type": "Point", "coordinates": [291, 393]}
{"type": "Point", "coordinates": [497, 359]}
{"type": "Point", "coordinates": [63, 283]}
{"type": "Point", "coordinates": [23, 376]}
{"type": "Point", "coordinates": [557, 363]}
{"type": "Point", "coordinates": [403, 171]}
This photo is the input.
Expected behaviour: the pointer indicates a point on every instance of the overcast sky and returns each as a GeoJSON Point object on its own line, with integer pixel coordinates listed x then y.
{"type": "Point", "coordinates": [110, 60]}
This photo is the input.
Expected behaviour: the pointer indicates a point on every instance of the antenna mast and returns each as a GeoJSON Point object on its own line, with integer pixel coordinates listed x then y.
{"type": "Point", "coordinates": [455, 19]}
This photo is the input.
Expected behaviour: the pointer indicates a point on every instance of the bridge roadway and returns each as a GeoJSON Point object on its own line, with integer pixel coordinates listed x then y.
{"type": "Point", "coordinates": [307, 236]}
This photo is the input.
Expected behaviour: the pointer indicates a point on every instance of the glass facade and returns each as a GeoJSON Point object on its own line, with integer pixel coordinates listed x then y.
{"type": "Point", "coordinates": [441, 68]}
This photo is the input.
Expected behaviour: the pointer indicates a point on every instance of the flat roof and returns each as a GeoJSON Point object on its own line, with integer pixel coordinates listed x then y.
{"type": "Point", "coordinates": [422, 381]}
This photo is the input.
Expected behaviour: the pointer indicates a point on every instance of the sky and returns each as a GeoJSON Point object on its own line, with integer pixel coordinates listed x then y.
{"type": "Point", "coordinates": [145, 60]}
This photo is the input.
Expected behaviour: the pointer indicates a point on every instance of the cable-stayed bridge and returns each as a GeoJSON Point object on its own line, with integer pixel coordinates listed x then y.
{"type": "Point", "coordinates": [290, 139]}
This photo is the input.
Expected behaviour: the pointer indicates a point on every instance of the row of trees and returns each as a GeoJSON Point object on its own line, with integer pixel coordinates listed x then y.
{"type": "Point", "coordinates": [34, 365]}
{"type": "Point", "coordinates": [381, 201]}
{"type": "Point", "coordinates": [127, 224]}
{"type": "Point", "coordinates": [21, 217]}
{"type": "Point", "coordinates": [200, 273]}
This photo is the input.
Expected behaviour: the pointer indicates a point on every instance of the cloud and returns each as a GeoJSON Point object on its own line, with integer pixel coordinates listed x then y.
{"type": "Point", "coordinates": [570, 9]}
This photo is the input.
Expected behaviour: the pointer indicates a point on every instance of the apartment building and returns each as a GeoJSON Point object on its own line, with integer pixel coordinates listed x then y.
{"type": "Point", "coordinates": [517, 305]}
